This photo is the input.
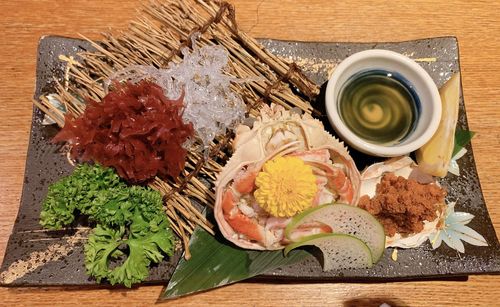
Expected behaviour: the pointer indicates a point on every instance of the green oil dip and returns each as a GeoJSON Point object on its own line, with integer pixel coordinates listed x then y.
{"type": "Point", "coordinates": [378, 106]}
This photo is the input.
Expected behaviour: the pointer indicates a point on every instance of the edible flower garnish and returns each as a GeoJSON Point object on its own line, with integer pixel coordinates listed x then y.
{"type": "Point", "coordinates": [285, 186]}
{"type": "Point", "coordinates": [453, 231]}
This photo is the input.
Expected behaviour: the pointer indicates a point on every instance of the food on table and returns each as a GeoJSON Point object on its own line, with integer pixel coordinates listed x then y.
{"type": "Point", "coordinates": [132, 230]}
{"type": "Point", "coordinates": [379, 106]}
{"type": "Point", "coordinates": [285, 164]}
{"type": "Point", "coordinates": [434, 157]}
{"type": "Point", "coordinates": [135, 129]}
{"type": "Point", "coordinates": [341, 219]}
{"type": "Point", "coordinates": [271, 192]}
{"type": "Point", "coordinates": [209, 102]}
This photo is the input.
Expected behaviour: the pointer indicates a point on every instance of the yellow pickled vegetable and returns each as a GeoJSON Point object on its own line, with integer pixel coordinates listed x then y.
{"type": "Point", "coordinates": [434, 157]}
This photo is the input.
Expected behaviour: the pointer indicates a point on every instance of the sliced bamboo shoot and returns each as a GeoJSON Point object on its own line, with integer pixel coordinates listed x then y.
{"type": "Point", "coordinates": [434, 157]}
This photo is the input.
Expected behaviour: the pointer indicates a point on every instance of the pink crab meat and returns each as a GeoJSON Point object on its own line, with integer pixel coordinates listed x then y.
{"type": "Point", "coordinates": [278, 132]}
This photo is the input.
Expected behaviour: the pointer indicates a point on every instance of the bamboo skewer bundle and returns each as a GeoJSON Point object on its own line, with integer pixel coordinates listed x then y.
{"type": "Point", "coordinates": [157, 38]}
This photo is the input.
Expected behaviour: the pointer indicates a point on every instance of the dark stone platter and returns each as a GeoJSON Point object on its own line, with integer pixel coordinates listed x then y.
{"type": "Point", "coordinates": [45, 165]}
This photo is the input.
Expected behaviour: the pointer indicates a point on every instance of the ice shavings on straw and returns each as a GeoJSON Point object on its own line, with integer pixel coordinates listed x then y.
{"type": "Point", "coordinates": [210, 104]}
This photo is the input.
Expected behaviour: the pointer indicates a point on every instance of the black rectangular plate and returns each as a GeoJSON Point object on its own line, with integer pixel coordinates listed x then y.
{"type": "Point", "coordinates": [24, 263]}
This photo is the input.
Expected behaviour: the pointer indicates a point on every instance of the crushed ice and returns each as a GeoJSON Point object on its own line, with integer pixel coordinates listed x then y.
{"type": "Point", "coordinates": [210, 104]}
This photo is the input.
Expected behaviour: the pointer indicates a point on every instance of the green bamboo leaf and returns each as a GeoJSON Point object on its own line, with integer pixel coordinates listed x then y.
{"type": "Point", "coordinates": [462, 138]}
{"type": "Point", "coordinates": [215, 263]}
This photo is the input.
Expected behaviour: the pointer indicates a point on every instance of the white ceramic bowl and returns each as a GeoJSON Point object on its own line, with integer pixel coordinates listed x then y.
{"type": "Point", "coordinates": [422, 84]}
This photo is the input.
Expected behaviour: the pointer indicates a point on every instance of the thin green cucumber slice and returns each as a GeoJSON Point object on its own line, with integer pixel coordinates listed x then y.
{"type": "Point", "coordinates": [345, 219]}
{"type": "Point", "coordinates": [340, 251]}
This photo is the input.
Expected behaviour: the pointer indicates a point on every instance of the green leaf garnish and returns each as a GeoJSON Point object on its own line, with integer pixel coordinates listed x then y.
{"type": "Point", "coordinates": [132, 229]}
{"type": "Point", "coordinates": [214, 264]}
{"type": "Point", "coordinates": [81, 190]}
{"type": "Point", "coordinates": [462, 138]}
{"type": "Point", "coordinates": [146, 243]}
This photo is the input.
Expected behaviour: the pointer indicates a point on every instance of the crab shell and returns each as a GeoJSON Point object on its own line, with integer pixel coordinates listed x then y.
{"type": "Point", "coordinates": [257, 145]}
{"type": "Point", "coordinates": [401, 166]}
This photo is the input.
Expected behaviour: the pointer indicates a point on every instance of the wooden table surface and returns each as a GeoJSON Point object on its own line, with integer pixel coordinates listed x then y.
{"type": "Point", "coordinates": [475, 23]}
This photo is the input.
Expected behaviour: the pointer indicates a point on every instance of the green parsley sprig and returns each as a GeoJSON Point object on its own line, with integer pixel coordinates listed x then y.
{"type": "Point", "coordinates": [132, 230]}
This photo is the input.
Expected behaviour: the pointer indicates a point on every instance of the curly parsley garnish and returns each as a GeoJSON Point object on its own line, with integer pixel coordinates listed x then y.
{"type": "Point", "coordinates": [132, 230]}
{"type": "Point", "coordinates": [80, 191]}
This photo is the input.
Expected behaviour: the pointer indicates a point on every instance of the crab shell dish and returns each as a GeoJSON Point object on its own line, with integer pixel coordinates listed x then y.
{"type": "Point", "coordinates": [405, 167]}
{"type": "Point", "coordinates": [247, 196]}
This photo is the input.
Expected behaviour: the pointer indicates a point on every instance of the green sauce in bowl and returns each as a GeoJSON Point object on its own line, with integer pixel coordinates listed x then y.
{"type": "Point", "coordinates": [378, 106]}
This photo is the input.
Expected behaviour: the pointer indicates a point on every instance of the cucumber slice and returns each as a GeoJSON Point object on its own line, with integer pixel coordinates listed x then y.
{"type": "Point", "coordinates": [345, 219]}
{"type": "Point", "coordinates": [340, 251]}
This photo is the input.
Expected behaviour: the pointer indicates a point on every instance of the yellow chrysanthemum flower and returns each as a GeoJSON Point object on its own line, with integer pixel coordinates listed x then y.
{"type": "Point", "coordinates": [285, 186]}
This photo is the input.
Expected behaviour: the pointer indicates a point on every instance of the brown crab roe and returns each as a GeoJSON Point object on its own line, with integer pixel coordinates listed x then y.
{"type": "Point", "coordinates": [401, 205]}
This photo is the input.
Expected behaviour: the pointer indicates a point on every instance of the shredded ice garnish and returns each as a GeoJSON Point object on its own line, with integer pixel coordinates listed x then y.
{"type": "Point", "coordinates": [210, 104]}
